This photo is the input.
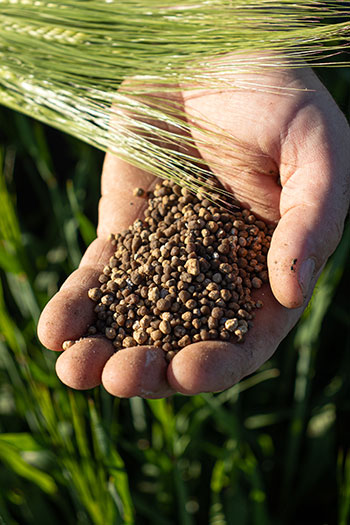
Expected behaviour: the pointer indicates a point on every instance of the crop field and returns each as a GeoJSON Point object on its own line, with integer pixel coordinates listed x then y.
{"type": "Point", "coordinates": [272, 450]}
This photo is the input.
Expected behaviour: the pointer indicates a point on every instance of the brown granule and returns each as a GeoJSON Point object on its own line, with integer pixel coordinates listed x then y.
{"type": "Point", "coordinates": [183, 274]}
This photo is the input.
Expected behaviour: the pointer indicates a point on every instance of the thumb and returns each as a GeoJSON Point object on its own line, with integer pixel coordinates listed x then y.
{"type": "Point", "coordinates": [299, 248]}
{"type": "Point", "coordinates": [313, 205]}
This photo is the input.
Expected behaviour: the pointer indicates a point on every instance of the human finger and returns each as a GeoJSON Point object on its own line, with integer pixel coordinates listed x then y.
{"type": "Point", "coordinates": [315, 177]}
{"type": "Point", "coordinates": [81, 365]}
{"type": "Point", "coordinates": [138, 371]}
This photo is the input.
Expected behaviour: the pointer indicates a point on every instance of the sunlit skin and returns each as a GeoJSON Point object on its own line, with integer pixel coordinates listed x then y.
{"type": "Point", "coordinates": [298, 143]}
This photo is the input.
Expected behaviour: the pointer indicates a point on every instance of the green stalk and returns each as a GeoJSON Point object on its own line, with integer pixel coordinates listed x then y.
{"type": "Point", "coordinates": [307, 342]}
{"type": "Point", "coordinates": [62, 63]}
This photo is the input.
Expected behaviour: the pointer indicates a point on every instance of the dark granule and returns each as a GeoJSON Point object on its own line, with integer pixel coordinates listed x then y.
{"type": "Point", "coordinates": [183, 274]}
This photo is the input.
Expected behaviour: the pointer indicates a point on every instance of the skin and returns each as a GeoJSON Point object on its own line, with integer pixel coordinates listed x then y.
{"type": "Point", "coordinates": [291, 164]}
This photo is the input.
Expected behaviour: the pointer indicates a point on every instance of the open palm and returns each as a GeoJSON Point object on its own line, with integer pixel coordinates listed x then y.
{"type": "Point", "coordinates": [291, 164]}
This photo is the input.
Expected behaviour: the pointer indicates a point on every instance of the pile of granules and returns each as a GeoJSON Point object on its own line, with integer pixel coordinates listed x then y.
{"type": "Point", "coordinates": [183, 274]}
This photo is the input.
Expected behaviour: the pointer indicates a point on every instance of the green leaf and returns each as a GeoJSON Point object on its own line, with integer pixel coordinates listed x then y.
{"type": "Point", "coordinates": [86, 228]}
{"type": "Point", "coordinates": [344, 488]}
{"type": "Point", "coordinates": [12, 458]}
{"type": "Point", "coordinates": [8, 259]}
{"type": "Point", "coordinates": [21, 441]}
{"type": "Point", "coordinates": [118, 484]}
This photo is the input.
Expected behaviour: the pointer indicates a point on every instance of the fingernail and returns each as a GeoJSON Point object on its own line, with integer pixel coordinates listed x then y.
{"type": "Point", "coordinates": [306, 273]}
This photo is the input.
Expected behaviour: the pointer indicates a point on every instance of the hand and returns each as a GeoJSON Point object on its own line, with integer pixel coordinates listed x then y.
{"type": "Point", "coordinates": [291, 164]}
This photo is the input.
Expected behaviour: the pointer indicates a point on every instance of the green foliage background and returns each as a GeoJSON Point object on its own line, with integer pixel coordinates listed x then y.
{"type": "Point", "coordinates": [272, 450]}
